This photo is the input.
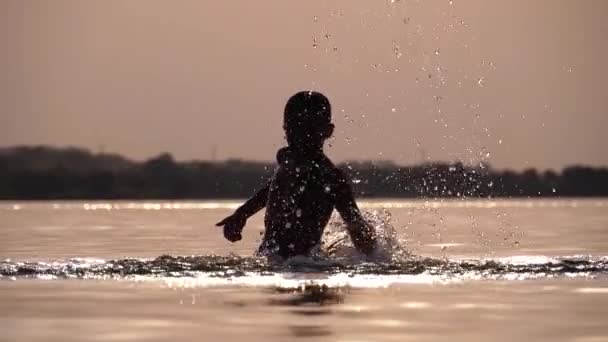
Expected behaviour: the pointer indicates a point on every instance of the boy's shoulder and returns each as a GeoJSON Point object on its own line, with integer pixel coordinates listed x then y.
{"type": "Point", "coordinates": [319, 161]}
{"type": "Point", "coordinates": [289, 157]}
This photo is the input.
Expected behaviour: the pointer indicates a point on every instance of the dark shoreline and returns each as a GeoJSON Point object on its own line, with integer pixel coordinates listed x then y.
{"type": "Point", "coordinates": [46, 173]}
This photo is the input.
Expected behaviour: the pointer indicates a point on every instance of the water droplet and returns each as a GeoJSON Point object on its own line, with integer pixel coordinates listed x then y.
{"type": "Point", "coordinates": [356, 181]}
{"type": "Point", "coordinates": [437, 52]}
{"type": "Point", "coordinates": [327, 188]}
{"type": "Point", "coordinates": [299, 213]}
{"type": "Point", "coordinates": [393, 110]}
{"type": "Point", "coordinates": [397, 50]}
{"type": "Point", "coordinates": [480, 81]}
{"type": "Point", "coordinates": [288, 225]}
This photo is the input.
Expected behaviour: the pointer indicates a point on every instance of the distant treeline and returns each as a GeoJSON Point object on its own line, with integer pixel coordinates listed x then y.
{"type": "Point", "coordinates": [49, 173]}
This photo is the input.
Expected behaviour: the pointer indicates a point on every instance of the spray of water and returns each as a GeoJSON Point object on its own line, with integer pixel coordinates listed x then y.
{"type": "Point", "coordinates": [338, 245]}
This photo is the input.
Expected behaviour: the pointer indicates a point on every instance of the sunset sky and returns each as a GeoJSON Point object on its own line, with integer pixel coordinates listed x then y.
{"type": "Point", "coordinates": [515, 83]}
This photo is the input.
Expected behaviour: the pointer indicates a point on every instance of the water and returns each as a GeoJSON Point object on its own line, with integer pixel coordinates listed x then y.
{"type": "Point", "coordinates": [447, 270]}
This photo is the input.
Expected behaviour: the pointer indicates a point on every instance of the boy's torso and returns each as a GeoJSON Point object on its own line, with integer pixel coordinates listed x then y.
{"type": "Point", "coordinates": [300, 202]}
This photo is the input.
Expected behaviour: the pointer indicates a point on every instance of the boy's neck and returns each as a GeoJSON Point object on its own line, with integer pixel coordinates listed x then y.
{"type": "Point", "coordinates": [306, 150]}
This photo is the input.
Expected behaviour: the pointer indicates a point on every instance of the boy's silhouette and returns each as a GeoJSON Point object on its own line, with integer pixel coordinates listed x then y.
{"type": "Point", "coordinates": [305, 188]}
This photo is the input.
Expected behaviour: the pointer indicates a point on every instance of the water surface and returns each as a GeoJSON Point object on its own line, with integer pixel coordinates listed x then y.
{"type": "Point", "coordinates": [449, 270]}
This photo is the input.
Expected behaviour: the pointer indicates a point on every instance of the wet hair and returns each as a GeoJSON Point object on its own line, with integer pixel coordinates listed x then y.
{"type": "Point", "coordinates": [306, 111]}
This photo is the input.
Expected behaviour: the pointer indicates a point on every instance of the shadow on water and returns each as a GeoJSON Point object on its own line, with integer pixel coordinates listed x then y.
{"type": "Point", "coordinates": [308, 300]}
{"type": "Point", "coordinates": [310, 296]}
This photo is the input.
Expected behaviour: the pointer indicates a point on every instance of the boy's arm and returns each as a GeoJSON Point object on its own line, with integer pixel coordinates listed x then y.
{"type": "Point", "coordinates": [255, 203]}
{"type": "Point", "coordinates": [233, 224]}
{"type": "Point", "coordinates": [361, 232]}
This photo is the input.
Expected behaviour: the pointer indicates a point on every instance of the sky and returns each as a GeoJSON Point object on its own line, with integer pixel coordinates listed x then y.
{"type": "Point", "coordinates": [515, 84]}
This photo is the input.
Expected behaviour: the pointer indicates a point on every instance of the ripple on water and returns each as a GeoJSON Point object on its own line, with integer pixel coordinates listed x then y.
{"type": "Point", "coordinates": [212, 270]}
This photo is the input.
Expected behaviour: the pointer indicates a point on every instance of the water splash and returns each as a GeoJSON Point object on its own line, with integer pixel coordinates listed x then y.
{"type": "Point", "coordinates": [338, 245]}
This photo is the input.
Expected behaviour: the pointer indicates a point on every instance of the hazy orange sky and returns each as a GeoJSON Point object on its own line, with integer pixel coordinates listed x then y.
{"type": "Point", "coordinates": [517, 83]}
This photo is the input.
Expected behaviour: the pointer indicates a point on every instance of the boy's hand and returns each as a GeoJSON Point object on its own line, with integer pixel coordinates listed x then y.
{"type": "Point", "coordinates": [233, 226]}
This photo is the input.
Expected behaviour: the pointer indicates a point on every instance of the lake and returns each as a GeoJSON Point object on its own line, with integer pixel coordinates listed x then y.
{"type": "Point", "coordinates": [451, 270]}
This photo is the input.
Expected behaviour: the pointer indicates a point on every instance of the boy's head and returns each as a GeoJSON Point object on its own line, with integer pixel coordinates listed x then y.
{"type": "Point", "coordinates": [307, 120]}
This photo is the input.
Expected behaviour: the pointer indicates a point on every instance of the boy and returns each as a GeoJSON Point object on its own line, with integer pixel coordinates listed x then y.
{"type": "Point", "coordinates": [305, 188]}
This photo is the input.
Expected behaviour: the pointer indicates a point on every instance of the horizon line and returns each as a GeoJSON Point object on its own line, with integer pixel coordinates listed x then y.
{"type": "Point", "coordinates": [483, 164]}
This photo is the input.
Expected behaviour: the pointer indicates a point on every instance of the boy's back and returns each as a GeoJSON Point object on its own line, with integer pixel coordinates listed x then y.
{"type": "Point", "coordinates": [301, 199]}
